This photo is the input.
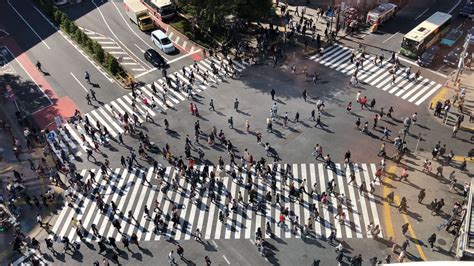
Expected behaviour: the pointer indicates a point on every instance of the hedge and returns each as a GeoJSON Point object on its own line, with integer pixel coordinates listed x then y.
{"type": "Point", "coordinates": [61, 20]}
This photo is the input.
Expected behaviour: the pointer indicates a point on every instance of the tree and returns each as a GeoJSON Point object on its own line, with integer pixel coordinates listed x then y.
{"type": "Point", "coordinates": [254, 10]}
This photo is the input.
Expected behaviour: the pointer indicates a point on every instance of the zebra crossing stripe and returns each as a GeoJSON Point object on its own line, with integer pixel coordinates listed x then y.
{"type": "Point", "coordinates": [363, 204]}
{"type": "Point", "coordinates": [340, 185]}
{"type": "Point", "coordinates": [417, 87]}
{"type": "Point", "coordinates": [371, 198]}
{"type": "Point", "coordinates": [337, 57]}
{"type": "Point", "coordinates": [355, 209]}
{"type": "Point", "coordinates": [94, 114]}
{"type": "Point", "coordinates": [125, 189]}
{"type": "Point", "coordinates": [74, 136]}
{"type": "Point", "coordinates": [325, 216]}
{"type": "Point", "coordinates": [111, 120]}
{"type": "Point", "coordinates": [433, 90]}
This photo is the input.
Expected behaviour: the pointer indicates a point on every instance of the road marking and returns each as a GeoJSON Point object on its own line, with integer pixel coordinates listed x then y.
{"type": "Point", "coordinates": [228, 262]}
{"type": "Point", "coordinates": [111, 80]}
{"type": "Point", "coordinates": [459, 158]}
{"type": "Point", "coordinates": [146, 72]}
{"type": "Point", "coordinates": [184, 56]}
{"type": "Point", "coordinates": [387, 215]}
{"type": "Point", "coordinates": [422, 13]}
{"type": "Point", "coordinates": [128, 25]}
{"type": "Point", "coordinates": [454, 7]}
{"type": "Point", "coordinates": [411, 232]}
{"type": "Point", "coordinates": [389, 38]}
{"type": "Point", "coordinates": [113, 33]}
{"type": "Point", "coordinates": [28, 24]}
{"type": "Point", "coordinates": [415, 64]}
{"type": "Point", "coordinates": [79, 82]}
{"type": "Point", "coordinates": [141, 50]}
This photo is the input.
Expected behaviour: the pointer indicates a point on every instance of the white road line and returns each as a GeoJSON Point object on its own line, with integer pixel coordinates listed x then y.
{"type": "Point", "coordinates": [371, 198]}
{"type": "Point", "coordinates": [184, 56]}
{"type": "Point", "coordinates": [28, 24]}
{"type": "Point", "coordinates": [117, 39]}
{"type": "Point", "coordinates": [389, 38]}
{"type": "Point", "coordinates": [422, 13]}
{"type": "Point", "coordinates": [128, 25]}
{"type": "Point", "coordinates": [226, 260]}
{"type": "Point", "coordinates": [422, 99]}
{"type": "Point", "coordinates": [325, 213]}
{"type": "Point", "coordinates": [146, 72]}
{"type": "Point", "coordinates": [141, 50]}
{"type": "Point", "coordinates": [454, 7]}
{"type": "Point", "coordinates": [214, 243]}
{"type": "Point", "coordinates": [82, 86]}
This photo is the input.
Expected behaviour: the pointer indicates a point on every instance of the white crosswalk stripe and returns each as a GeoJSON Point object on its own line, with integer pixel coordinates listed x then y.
{"type": "Point", "coordinates": [71, 142]}
{"type": "Point", "coordinates": [131, 190]}
{"type": "Point", "coordinates": [338, 57]}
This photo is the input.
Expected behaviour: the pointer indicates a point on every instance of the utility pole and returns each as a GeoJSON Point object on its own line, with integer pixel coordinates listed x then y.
{"type": "Point", "coordinates": [461, 58]}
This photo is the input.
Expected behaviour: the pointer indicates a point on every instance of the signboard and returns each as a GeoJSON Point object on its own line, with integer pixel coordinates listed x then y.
{"type": "Point", "coordinates": [51, 136]}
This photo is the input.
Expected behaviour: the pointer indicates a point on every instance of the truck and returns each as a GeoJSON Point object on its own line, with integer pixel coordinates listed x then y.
{"type": "Point", "coordinates": [163, 9]}
{"type": "Point", "coordinates": [381, 14]}
{"type": "Point", "coordinates": [138, 14]}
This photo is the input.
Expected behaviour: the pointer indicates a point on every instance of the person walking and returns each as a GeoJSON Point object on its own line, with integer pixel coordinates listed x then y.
{"type": "Point", "coordinates": [180, 251]}
{"type": "Point", "coordinates": [432, 240]}
{"type": "Point", "coordinates": [231, 122]}
{"type": "Point", "coordinates": [421, 195]}
{"type": "Point", "coordinates": [87, 76]}
{"type": "Point", "coordinates": [39, 220]}
{"type": "Point", "coordinates": [318, 122]}
{"type": "Point", "coordinates": [405, 229]}
{"type": "Point", "coordinates": [272, 93]}
{"type": "Point", "coordinates": [312, 117]}
{"type": "Point", "coordinates": [305, 95]}
{"type": "Point", "coordinates": [247, 126]}
{"type": "Point", "coordinates": [171, 259]}
{"type": "Point", "coordinates": [236, 105]}
{"type": "Point", "coordinates": [211, 105]}
{"type": "Point", "coordinates": [88, 98]}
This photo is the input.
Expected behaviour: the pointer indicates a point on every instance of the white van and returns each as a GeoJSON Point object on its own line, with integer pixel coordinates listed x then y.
{"type": "Point", "coordinates": [161, 40]}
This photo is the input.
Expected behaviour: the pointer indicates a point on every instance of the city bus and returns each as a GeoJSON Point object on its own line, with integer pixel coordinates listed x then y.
{"type": "Point", "coordinates": [415, 42]}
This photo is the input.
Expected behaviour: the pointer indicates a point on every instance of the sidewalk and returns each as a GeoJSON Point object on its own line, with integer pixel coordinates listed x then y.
{"type": "Point", "coordinates": [448, 92]}
{"type": "Point", "coordinates": [422, 221]}
{"type": "Point", "coordinates": [34, 186]}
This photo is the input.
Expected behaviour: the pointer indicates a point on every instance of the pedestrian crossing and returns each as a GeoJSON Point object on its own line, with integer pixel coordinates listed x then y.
{"type": "Point", "coordinates": [338, 57]}
{"type": "Point", "coordinates": [132, 189]}
{"type": "Point", "coordinates": [70, 136]}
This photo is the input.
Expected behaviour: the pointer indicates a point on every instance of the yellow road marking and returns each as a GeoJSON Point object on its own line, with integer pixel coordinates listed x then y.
{"type": "Point", "coordinates": [411, 232]}
{"type": "Point", "coordinates": [6, 169]}
{"type": "Point", "coordinates": [387, 215]}
{"type": "Point", "coordinates": [439, 96]}
{"type": "Point", "coordinates": [459, 158]}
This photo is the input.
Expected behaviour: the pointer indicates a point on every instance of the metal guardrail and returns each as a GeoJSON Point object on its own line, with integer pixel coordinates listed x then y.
{"type": "Point", "coordinates": [462, 248]}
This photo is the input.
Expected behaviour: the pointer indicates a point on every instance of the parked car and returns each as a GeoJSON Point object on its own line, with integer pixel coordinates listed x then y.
{"type": "Point", "coordinates": [154, 58]}
{"type": "Point", "coordinates": [161, 40]}
{"type": "Point", "coordinates": [451, 38]}
{"type": "Point", "coordinates": [429, 56]}
{"type": "Point", "coordinates": [452, 58]}
{"type": "Point", "coordinates": [467, 10]}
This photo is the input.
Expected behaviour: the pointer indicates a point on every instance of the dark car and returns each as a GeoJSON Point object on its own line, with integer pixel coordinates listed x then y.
{"type": "Point", "coordinates": [429, 56]}
{"type": "Point", "coordinates": [155, 58]}
{"type": "Point", "coordinates": [467, 10]}
{"type": "Point", "coordinates": [452, 58]}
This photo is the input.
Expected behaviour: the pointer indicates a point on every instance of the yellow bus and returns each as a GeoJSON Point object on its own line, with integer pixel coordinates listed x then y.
{"type": "Point", "coordinates": [428, 32]}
